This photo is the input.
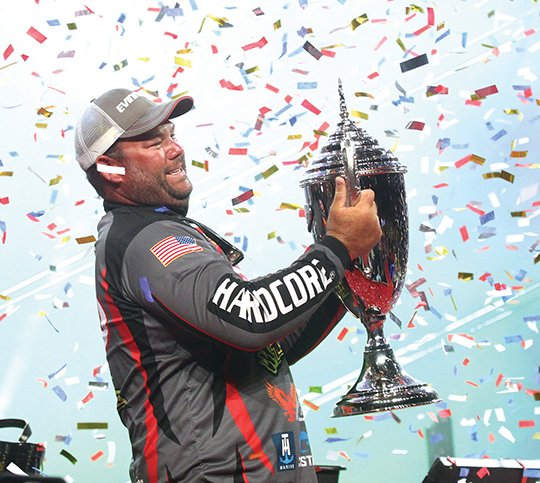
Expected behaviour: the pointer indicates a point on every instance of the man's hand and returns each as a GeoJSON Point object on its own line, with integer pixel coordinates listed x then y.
{"type": "Point", "coordinates": [356, 226]}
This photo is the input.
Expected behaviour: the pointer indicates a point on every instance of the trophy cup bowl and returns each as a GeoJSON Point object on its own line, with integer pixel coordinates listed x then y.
{"type": "Point", "coordinates": [372, 287]}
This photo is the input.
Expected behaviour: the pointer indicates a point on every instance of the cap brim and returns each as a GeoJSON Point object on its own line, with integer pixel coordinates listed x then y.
{"type": "Point", "coordinates": [159, 114]}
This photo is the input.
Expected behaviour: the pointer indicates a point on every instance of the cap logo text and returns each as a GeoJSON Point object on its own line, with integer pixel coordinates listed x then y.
{"type": "Point", "coordinates": [126, 102]}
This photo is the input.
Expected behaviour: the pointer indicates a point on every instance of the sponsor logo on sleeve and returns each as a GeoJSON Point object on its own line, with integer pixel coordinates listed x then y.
{"type": "Point", "coordinates": [287, 401]}
{"type": "Point", "coordinates": [271, 357]}
{"type": "Point", "coordinates": [284, 296]}
{"type": "Point", "coordinates": [305, 458]}
{"type": "Point", "coordinates": [286, 453]}
{"type": "Point", "coordinates": [173, 247]}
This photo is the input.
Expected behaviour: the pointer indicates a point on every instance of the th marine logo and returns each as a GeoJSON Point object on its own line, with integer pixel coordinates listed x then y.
{"type": "Point", "coordinates": [285, 450]}
{"type": "Point", "coordinates": [284, 296]}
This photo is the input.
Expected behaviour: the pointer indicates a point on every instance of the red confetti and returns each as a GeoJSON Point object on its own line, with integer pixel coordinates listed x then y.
{"type": "Point", "coordinates": [484, 277]}
{"type": "Point", "coordinates": [243, 197]}
{"type": "Point", "coordinates": [373, 75]}
{"type": "Point", "coordinates": [342, 334]}
{"type": "Point", "coordinates": [445, 413]}
{"type": "Point", "coordinates": [259, 44]}
{"type": "Point", "coordinates": [36, 35]}
{"type": "Point", "coordinates": [309, 404]}
{"type": "Point", "coordinates": [328, 53]}
{"type": "Point", "coordinates": [482, 472]}
{"type": "Point", "coordinates": [491, 437]}
{"type": "Point", "coordinates": [8, 51]}
{"type": "Point", "coordinates": [310, 107]}
{"type": "Point", "coordinates": [441, 185]}
{"type": "Point", "coordinates": [416, 125]}
{"type": "Point", "coordinates": [170, 34]}
{"type": "Point", "coordinates": [271, 88]}
{"type": "Point", "coordinates": [464, 233]}
{"type": "Point", "coordinates": [431, 16]}
{"type": "Point", "coordinates": [466, 361]}
{"type": "Point", "coordinates": [421, 30]}
{"type": "Point", "coordinates": [486, 91]}
{"type": "Point", "coordinates": [4, 200]}
{"type": "Point", "coordinates": [238, 151]}
{"type": "Point", "coordinates": [97, 455]}
{"type": "Point", "coordinates": [526, 423]}
{"type": "Point", "coordinates": [476, 210]}
{"type": "Point", "coordinates": [382, 41]}
{"type": "Point", "coordinates": [88, 397]}
{"type": "Point", "coordinates": [214, 49]}
{"type": "Point", "coordinates": [229, 85]}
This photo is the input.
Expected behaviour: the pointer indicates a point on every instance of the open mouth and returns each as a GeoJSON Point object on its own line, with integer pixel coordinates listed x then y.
{"type": "Point", "coordinates": [177, 172]}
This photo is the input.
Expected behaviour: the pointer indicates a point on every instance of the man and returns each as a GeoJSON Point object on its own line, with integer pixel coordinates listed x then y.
{"type": "Point", "coordinates": [199, 356]}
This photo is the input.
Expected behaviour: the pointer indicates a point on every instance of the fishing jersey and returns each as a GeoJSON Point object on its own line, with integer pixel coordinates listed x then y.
{"type": "Point", "coordinates": [199, 356]}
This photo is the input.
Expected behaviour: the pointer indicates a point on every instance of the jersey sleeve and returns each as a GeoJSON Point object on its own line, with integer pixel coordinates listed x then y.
{"type": "Point", "coordinates": [176, 273]}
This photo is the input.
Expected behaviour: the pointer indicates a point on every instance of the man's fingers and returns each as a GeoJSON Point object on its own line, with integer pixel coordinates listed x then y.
{"type": "Point", "coordinates": [367, 197]}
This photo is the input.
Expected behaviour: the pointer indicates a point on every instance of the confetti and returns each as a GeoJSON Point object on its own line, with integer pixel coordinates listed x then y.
{"type": "Point", "coordinates": [36, 35]}
{"type": "Point", "coordinates": [92, 425]}
{"type": "Point", "coordinates": [310, 405]}
{"type": "Point", "coordinates": [243, 197]}
{"type": "Point", "coordinates": [413, 63]}
{"type": "Point", "coordinates": [68, 456]}
{"type": "Point", "coordinates": [356, 22]}
{"type": "Point", "coordinates": [310, 49]}
{"type": "Point", "coordinates": [85, 239]}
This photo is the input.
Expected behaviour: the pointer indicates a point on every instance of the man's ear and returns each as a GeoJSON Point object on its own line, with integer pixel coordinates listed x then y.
{"type": "Point", "coordinates": [111, 169]}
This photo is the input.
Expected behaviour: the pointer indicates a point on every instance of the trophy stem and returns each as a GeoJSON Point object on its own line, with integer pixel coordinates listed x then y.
{"type": "Point", "coordinates": [382, 384]}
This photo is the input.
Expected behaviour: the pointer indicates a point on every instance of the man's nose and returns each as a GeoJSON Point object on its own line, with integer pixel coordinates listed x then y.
{"type": "Point", "coordinates": [174, 149]}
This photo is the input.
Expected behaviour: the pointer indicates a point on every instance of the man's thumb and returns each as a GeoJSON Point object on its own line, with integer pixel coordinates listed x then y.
{"type": "Point", "coordinates": [340, 196]}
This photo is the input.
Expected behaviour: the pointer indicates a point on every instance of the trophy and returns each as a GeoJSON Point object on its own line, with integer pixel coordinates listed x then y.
{"type": "Point", "coordinates": [372, 286]}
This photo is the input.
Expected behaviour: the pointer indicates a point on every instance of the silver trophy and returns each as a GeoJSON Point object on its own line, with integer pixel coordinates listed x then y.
{"type": "Point", "coordinates": [371, 288]}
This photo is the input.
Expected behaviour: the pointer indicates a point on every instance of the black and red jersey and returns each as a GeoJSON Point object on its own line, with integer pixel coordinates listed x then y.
{"type": "Point", "coordinates": [199, 356]}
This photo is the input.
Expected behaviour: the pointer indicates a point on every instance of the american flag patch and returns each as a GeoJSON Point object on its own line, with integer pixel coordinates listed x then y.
{"type": "Point", "coordinates": [173, 247]}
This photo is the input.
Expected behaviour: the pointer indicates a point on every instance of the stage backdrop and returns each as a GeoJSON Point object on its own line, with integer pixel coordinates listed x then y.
{"type": "Point", "coordinates": [451, 88]}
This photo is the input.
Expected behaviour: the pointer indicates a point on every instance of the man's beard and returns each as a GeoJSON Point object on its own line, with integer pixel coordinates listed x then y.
{"type": "Point", "coordinates": [158, 192]}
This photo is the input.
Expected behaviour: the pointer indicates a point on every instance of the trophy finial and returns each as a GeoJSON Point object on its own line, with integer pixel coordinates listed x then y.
{"type": "Point", "coordinates": [342, 106]}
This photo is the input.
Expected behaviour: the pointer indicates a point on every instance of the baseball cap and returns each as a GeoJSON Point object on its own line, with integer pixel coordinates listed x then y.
{"type": "Point", "coordinates": [120, 113]}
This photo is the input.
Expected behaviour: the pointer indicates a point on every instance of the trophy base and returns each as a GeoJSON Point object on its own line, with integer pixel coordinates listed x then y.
{"type": "Point", "coordinates": [371, 401]}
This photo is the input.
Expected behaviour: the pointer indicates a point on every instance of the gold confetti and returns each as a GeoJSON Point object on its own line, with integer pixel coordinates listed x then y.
{"type": "Point", "coordinates": [465, 276]}
{"type": "Point", "coordinates": [500, 174]}
{"type": "Point", "coordinates": [183, 62]}
{"type": "Point", "coordinates": [361, 115]}
{"type": "Point", "coordinates": [363, 94]}
{"type": "Point", "coordinates": [56, 180]}
{"type": "Point", "coordinates": [44, 112]}
{"type": "Point", "coordinates": [289, 206]}
{"type": "Point", "coordinates": [86, 239]}
{"type": "Point", "coordinates": [356, 22]}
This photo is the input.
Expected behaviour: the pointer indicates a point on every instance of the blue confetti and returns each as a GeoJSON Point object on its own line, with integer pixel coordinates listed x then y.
{"type": "Point", "coordinates": [60, 392]}
{"type": "Point", "coordinates": [499, 135]}
{"type": "Point", "coordinates": [443, 35]}
{"type": "Point", "coordinates": [306, 85]}
{"type": "Point", "coordinates": [145, 287]}
{"type": "Point", "coordinates": [489, 216]}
